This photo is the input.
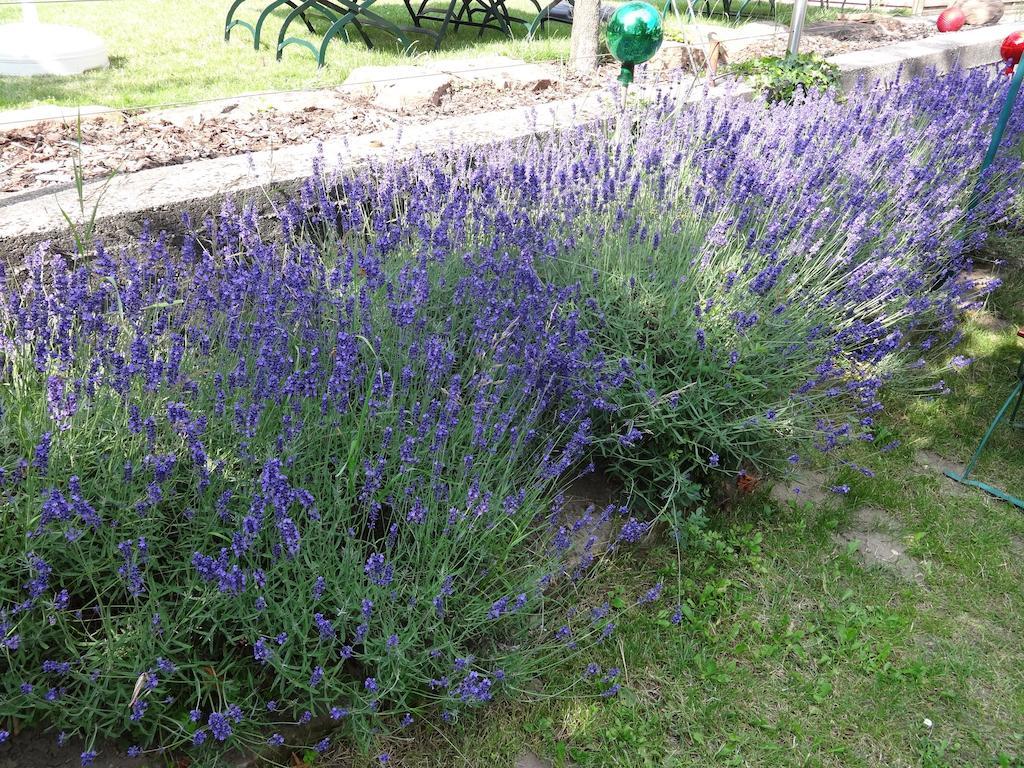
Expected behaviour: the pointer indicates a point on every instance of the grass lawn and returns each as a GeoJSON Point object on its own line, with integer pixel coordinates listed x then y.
{"type": "Point", "coordinates": [794, 653]}
{"type": "Point", "coordinates": [171, 52]}
{"type": "Point", "coordinates": [174, 52]}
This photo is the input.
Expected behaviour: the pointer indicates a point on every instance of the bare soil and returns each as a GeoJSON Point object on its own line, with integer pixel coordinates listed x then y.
{"type": "Point", "coordinates": [879, 544]}
{"type": "Point", "coordinates": [933, 464]}
{"type": "Point", "coordinates": [805, 487]}
{"type": "Point", "coordinates": [39, 749]}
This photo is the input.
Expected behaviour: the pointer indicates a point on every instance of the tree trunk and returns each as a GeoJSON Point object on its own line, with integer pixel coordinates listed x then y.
{"type": "Point", "coordinates": [586, 35]}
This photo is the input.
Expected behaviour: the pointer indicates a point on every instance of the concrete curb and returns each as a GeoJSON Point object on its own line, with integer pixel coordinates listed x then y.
{"type": "Point", "coordinates": [968, 48]}
{"type": "Point", "coordinates": [162, 195]}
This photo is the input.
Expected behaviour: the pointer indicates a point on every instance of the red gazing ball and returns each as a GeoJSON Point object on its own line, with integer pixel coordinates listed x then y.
{"type": "Point", "coordinates": [1012, 48]}
{"type": "Point", "coordinates": [951, 19]}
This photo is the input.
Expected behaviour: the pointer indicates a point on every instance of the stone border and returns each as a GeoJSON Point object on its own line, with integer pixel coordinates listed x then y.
{"type": "Point", "coordinates": [968, 48]}
{"type": "Point", "coordinates": [162, 195]}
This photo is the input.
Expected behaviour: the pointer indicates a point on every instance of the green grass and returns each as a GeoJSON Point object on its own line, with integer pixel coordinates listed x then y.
{"type": "Point", "coordinates": [796, 654]}
{"type": "Point", "coordinates": [174, 52]}
{"type": "Point", "coordinates": [759, 10]}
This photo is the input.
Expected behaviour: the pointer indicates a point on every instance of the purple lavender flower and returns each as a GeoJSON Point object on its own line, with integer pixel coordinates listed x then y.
{"type": "Point", "coordinates": [220, 726]}
{"type": "Point", "coordinates": [632, 531]}
{"type": "Point", "coordinates": [41, 455]}
{"type": "Point", "coordinates": [378, 570]}
{"type": "Point", "coordinates": [261, 651]}
{"type": "Point", "coordinates": [652, 594]}
{"type": "Point", "coordinates": [317, 677]}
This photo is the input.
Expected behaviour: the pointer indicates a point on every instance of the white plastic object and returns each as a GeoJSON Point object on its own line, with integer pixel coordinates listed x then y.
{"type": "Point", "coordinates": [30, 48]}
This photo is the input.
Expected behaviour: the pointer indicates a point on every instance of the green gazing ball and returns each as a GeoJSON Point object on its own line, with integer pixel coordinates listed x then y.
{"type": "Point", "coordinates": [634, 33]}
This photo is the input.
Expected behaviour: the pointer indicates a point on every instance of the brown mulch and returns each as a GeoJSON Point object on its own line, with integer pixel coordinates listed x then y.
{"type": "Point", "coordinates": [856, 32]}
{"type": "Point", "coordinates": [44, 154]}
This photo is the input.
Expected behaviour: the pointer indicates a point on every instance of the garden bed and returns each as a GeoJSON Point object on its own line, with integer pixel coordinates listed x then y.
{"type": "Point", "coordinates": [45, 154]}
{"type": "Point", "coordinates": [856, 32]}
{"type": "Point", "coordinates": [311, 470]}
{"type": "Point", "coordinates": [686, 49]}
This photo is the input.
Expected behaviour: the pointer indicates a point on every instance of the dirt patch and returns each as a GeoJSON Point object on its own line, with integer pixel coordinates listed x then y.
{"type": "Point", "coordinates": [34, 748]}
{"type": "Point", "coordinates": [805, 487]}
{"type": "Point", "coordinates": [936, 465]}
{"type": "Point", "coordinates": [934, 462]}
{"type": "Point", "coordinates": [876, 535]}
{"type": "Point", "coordinates": [44, 154]}
{"type": "Point", "coordinates": [589, 495]}
{"type": "Point", "coordinates": [988, 321]}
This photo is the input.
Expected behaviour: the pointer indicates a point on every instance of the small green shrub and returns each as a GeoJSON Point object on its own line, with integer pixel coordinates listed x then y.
{"type": "Point", "coordinates": [780, 78]}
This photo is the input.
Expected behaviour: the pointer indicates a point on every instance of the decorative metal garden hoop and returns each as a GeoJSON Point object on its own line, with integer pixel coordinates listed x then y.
{"type": "Point", "coordinates": [1014, 399]}
{"type": "Point", "coordinates": [1010, 51]}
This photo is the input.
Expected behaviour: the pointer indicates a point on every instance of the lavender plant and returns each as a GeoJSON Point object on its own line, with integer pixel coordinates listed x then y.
{"type": "Point", "coordinates": [310, 478]}
{"type": "Point", "coordinates": [251, 484]}
{"type": "Point", "coordinates": [762, 274]}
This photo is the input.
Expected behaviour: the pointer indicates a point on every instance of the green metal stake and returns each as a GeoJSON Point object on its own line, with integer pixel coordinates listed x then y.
{"type": "Point", "coordinates": [1018, 391]}
{"type": "Point", "coordinates": [1004, 118]}
{"type": "Point", "coordinates": [997, 133]}
{"type": "Point", "coordinates": [964, 477]}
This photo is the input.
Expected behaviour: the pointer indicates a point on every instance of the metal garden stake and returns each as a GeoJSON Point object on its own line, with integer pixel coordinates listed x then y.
{"type": "Point", "coordinates": [796, 28]}
{"type": "Point", "coordinates": [1011, 51]}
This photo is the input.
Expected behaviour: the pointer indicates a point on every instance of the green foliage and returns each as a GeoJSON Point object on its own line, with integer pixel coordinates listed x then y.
{"type": "Point", "coordinates": [783, 78]}
{"type": "Point", "coordinates": [82, 228]}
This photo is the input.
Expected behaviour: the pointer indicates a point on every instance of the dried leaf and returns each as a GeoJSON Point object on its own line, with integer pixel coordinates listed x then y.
{"type": "Point", "coordinates": [139, 684]}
